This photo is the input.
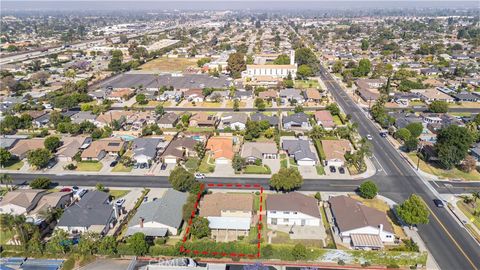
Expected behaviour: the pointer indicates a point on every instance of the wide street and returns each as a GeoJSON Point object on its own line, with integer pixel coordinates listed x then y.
{"type": "Point", "coordinates": [450, 244]}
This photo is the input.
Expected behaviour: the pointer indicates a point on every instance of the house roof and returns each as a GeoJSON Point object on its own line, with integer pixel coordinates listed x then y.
{"type": "Point", "coordinates": [239, 94]}
{"type": "Point", "coordinates": [145, 146]}
{"type": "Point", "coordinates": [299, 148]}
{"type": "Point", "coordinates": [166, 210]}
{"type": "Point", "coordinates": [82, 116]}
{"type": "Point", "coordinates": [268, 94]}
{"type": "Point", "coordinates": [336, 149]}
{"type": "Point", "coordinates": [168, 118]}
{"type": "Point", "coordinates": [291, 93]}
{"type": "Point", "coordinates": [312, 93]}
{"type": "Point", "coordinates": [107, 145]}
{"type": "Point", "coordinates": [177, 146]}
{"type": "Point", "coordinates": [221, 147]}
{"type": "Point", "coordinates": [48, 201]}
{"type": "Point", "coordinates": [272, 120]}
{"type": "Point", "coordinates": [213, 204]}
{"type": "Point", "coordinates": [71, 146]}
{"type": "Point", "coordinates": [229, 223]}
{"type": "Point", "coordinates": [193, 92]}
{"type": "Point", "coordinates": [23, 146]}
{"type": "Point", "coordinates": [110, 116]}
{"type": "Point", "coordinates": [234, 118]}
{"type": "Point", "coordinates": [121, 92]}
{"type": "Point", "coordinates": [204, 118]}
{"type": "Point", "coordinates": [325, 117]}
{"type": "Point", "coordinates": [257, 149]}
{"type": "Point", "coordinates": [433, 94]}
{"type": "Point", "coordinates": [21, 197]}
{"type": "Point", "coordinates": [351, 214]}
{"type": "Point", "coordinates": [297, 118]}
{"type": "Point", "coordinates": [93, 209]}
{"type": "Point", "coordinates": [293, 201]}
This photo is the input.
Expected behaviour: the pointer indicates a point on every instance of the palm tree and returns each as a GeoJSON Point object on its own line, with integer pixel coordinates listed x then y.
{"type": "Point", "coordinates": [6, 179]}
{"type": "Point", "coordinates": [475, 196]}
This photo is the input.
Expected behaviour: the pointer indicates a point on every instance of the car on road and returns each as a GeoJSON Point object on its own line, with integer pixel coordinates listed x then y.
{"type": "Point", "coordinates": [383, 134]}
{"type": "Point", "coordinates": [119, 202]}
{"type": "Point", "coordinates": [113, 163]}
{"type": "Point", "coordinates": [341, 170]}
{"type": "Point", "coordinates": [199, 176]}
{"type": "Point", "coordinates": [438, 203]}
{"type": "Point", "coordinates": [369, 137]}
{"type": "Point", "coordinates": [332, 169]}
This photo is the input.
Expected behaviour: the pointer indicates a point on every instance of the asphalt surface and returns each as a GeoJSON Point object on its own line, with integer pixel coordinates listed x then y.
{"type": "Point", "coordinates": [450, 244]}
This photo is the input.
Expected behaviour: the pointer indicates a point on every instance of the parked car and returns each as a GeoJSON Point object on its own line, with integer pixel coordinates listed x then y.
{"type": "Point", "coordinates": [66, 189]}
{"type": "Point", "coordinates": [383, 134]}
{"type": "Point", "coordinates": [199, 176]}
{"type": "Point", "coordinates": [438, 203]}
{"type": "Point", "coordinates": [163, 167]}
{"type": "Point", "coordinates": [113, 163]}
{"type": "Point", "coordinates": [120, 202]}
{"type": "Point", "coordinates": [369, 137]}
{"type": "Point", "coordinates": [341, 170]}
{"type": "Point", "coordinates": [79, 193]}
{"type": "Point", "coordinates": [51, 163]}
{"type": "Point", "coordinates": [145, 199]}
{"type": "Point", "coordinates": [332, 169]}
{"type": "Point", "coordinates": [74, 188]}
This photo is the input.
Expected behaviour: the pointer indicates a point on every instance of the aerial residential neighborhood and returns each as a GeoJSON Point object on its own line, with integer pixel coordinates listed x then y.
{"type": "Point", "coordinates": [231, 135]}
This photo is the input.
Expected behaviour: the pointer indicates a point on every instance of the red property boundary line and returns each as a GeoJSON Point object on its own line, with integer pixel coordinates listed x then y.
{"type": "Point", "coordinates": [224, 254]}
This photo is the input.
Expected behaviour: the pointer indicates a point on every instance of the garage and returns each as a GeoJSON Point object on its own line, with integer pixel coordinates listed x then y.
{"type": "Point", "coordinates": [306, 162]}
{"type": "Point", "coordinates": [222, 161]}
{"type": "Point", "coordinates": [170, 160]}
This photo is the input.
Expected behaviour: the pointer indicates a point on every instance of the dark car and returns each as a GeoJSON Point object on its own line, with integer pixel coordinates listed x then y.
{"type": "Point", "coordinates": [66, 190]}
{"type": "Point", "coordinates": [438, 203]}
{"type": "Point", "coordinates": [163, 167]}
{"type": "Point", "coordinates": [114, 163]}
{"type": "Point", "coordinates": [341, 170]}
{"type": "Point", "coordinates": [332, 169]}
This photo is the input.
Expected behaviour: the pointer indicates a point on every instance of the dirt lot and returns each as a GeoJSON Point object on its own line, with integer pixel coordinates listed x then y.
{"type": "Point", "coordinates": [169, 64]}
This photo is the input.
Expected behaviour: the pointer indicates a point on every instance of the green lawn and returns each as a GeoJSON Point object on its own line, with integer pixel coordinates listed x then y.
{"type": "Point", "coordinates": [89, 166]}
{"type": "Point", "coordinates": [5, 235]}
{"type": "Point", "coordinates": [207, 165]}
{"type": "Point", "coordinates": [191, 164]}
{"type": "Point", "coordinates": [292, 161]}
{"type": "Point", "coordinates": [121, 168]}
{"type": "Point", "coordinates": [320, 170]}
{"type": "Point", "coordinates": [200, 129]}
{"type": "Point", "coordinates": [337, 120]}
{"type": "Point", "coordinates": [254, 169]}
{"type": "Point", "coordinates": [446, 174]}
{"type": "Point", "coordinates": [306, 84]}
{"type": "Point", "coordinates": [13, 165]}
{"type": "Point", "coordinates": [468, 210]}
{"type": "Point", "coordinates": [118, 193]}
{"type": "Point", "coordinates": [319, 147]}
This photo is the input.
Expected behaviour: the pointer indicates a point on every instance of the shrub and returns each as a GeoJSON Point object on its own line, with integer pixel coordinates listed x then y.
{"type": "Point", "coordinates": [69, 264]}
{"type": "Point", "coordinates": [366, 264]}
{"type": "Point", "coordinates": [299, 252]}
{"type": "Point", "coordinates": [40, 183]}
{"type": "Point", "coordinates": [341, 262]}
{"type": "Point", "coordinates": [368, 190]}
{"type": "Point", "coordinates": [393, 265]}
{"type": "Point", "coordinates": [160, 241]}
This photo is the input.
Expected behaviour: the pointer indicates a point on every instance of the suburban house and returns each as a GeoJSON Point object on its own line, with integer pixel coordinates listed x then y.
{"type": "Point", "coordinates": [161, 217]}
{"type": "Point", "coordinates": [20, 201]}
{"type": "Point", "coordinates": [253, 151]}
{"type": "Point", "coordinates": [168, 120]}
{"type": "Point", "coordinates": [229, 215]}
{"type": "Point", "coordinates": [296, 121]}
{"type": "Point", "coordinates": [301, 151]}
{"type": "Point", "coordinates": [217, 96]}
{"type": "Point", "coordinates": [171, 95]}
{"type": "Point", "coordinates": [93, 213]}
{"type": "Point", "coordinates": [194, 95]}
{"type": "Point", "coordinates": [202, 119]}
{"type": "Point", "coordinates": [335, 151]}
{"type": "Point", "coordinates": [369, 83]}
{"type": "Point", "coordinates": [272, 120]}
{"type": "Point", "coordinates": [466, 96]}
{"type": "Point", "coordinates": [83, 116]}
{"type": "Point", "coordinates": [432, 94]}
{"type": "Point", "coordinates": [21, 148]}
{"type": "Point", "coordinates": [368, 95]}
{"type": "Point", "coordinates": [312, 95]}
{"type": "Point", "coordinates": [235, 121]}
{"type": "Point", "coordinates": [71, 146]}
{"type": "Point", "coordinates": [475, 152]}
{"type": "Point", "coordinates": [107, 118]}
{"type": "Point", "coordinates": [9, 141]}
{"type": "Point", "coordinates": [291, 209]}
{"type": "Point", "coordinates": [49, 201]}
{"type": "Point", "coordinates": [179, 149]}
{"type": "Point", "coordinates": [268, 95]}
{"type": "Point", "coordinates": [99, 149]}
{"type": "Point", "coordinates": [121, 94]}
{"type": "Point", "coordinates": [243, 94]}
{"type": "Point", "coordinates": [221, 149]}
{"type": "Point", "coordinates": [291, 95]}
{"type": "Point", "coordinates": [359, 225]}
{"type": "Point", "coordinates": [145, 150]}
{"type": "Point", "coordinates": [325, 119]}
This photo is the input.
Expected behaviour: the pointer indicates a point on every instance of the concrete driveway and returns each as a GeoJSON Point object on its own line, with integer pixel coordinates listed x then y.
{"type": "Point", "coordinates": [223, 170]}
{"type": "Point", "coordinates": [308, 171]}
{"type": "Point", "coordinates": [274, 164]}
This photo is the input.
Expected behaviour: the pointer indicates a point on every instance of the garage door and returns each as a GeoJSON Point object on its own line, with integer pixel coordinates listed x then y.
{"type": "Point", "coordinates": [170, 160]}
{"type": "Point", "coordinates": [306, 163]}
{"type": "Point", "coordinates": [222, 161]}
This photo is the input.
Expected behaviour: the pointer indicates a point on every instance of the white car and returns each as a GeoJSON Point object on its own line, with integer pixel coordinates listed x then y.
{"type": "Point", "coordinates": [199, 176]}
{"type": "Point", "coordinates": [369, 137]}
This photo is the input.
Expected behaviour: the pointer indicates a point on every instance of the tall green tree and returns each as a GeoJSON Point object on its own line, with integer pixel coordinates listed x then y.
{"type": "Point", "coordinates": [200, 227]}
{"type": "Point", "coordinates": [39, 157]}
{"type": "Point", "coordinates": [5, 156]}
{"type": "Point", "coordinates": [138, 244]}
{"type": "Point", "coordinates": [181, 179]}
{"type": "Point", "coordinates": [438, 106]}
{"type": "Point", "coordinates": [413, 211]}
{"type": "Point", "coordinates": [452, 145]}
{"type": "Point", "coordinates": [52, 143]}
{"type": "Point", "coordinates": [236, 64]}
{"type": "Point", "coordinates": [286, 179]}
{"type": "Point", "coordinates": [368, 190]}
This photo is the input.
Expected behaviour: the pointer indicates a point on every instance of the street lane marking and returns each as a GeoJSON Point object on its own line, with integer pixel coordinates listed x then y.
{"type": "Point", "coordinates": [451, 237]}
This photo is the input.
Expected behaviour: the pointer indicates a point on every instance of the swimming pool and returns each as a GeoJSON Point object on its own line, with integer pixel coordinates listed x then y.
{"type": "Point", "coordinates": [126, 137]}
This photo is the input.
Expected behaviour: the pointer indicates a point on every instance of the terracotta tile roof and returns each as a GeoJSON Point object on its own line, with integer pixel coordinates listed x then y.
{"type": "Point", "coordinates": [213, 204]}
{"type": "Point", "coordinates": [221, 147]}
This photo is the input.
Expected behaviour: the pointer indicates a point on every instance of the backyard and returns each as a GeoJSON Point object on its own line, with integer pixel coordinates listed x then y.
{"type": "Point", "coordinates": [283, 161]}
{"type": "Point", "coordinates": [164, 64]}
{"type": "Point", "coordinates": [442, 173]}
{"type": "Point", "coordinates": [89, 166]}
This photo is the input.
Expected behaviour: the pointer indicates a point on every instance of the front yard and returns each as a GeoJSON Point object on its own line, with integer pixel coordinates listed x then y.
{"type": "Point", "coordinates": [118, 193]}
{"type": "Point", "coordinates": [89, 166]}
{"type": "Point", "coordinates": [254, 169]}
{"type": "Point", "coordinates": [13, 165]}
{"type": "Point", "coordinates": [207, 165]}
{"type": "Point", "coordinates": [121, 168]}
{"type": "Point", "coordinates": [191, 164]}
{"type": "Point", "coordinates": [441, 173]}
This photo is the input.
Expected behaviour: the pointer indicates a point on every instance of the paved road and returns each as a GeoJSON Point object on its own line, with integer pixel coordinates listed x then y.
{"type": "Point", "coordinates": [450, 244]}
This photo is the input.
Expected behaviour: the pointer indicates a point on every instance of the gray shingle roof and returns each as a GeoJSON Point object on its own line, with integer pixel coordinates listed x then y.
{"type": "Point", "coordinates": [297, 118]}
{"type": "Point", "coordinates": [272, 120]}
{"type": "Point", "coordinates": [166, 210]}
{"type": "Point", "coordinates": [145, 146]}
{"type": "Point", "coordinates": [93, 209]}
{"type": "Point", "coordinates": [299, 148]}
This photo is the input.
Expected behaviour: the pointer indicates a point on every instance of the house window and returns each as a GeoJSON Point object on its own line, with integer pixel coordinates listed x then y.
{"type": "Point", "coordinates": [286, 212]}
{"type": "Point", "coordinates": [285, 220]}
{"type": "Point", "coordinates": [273, 212]}
{"type": "Point", "coordinates": [294, 213]}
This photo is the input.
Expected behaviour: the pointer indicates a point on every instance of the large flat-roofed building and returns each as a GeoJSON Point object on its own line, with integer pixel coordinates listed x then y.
{"type": "Point", "coordinates": [275, 71]}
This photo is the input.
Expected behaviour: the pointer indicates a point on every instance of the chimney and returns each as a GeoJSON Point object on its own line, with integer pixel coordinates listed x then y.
{"type": "Point", "coordinates": [380, 229]}
{"type": "Point", "coordinates": [292, 57]}
{"type": "Point", "coordinates": [141, 222]}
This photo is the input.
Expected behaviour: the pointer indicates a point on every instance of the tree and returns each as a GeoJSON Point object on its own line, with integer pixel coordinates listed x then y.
{"type": "Point", "coordinates": [5, 156]}
{"type": "Point", "coordinates": [260, 104]}
{"type": "Point", "coordinates": [39, 157]}
{"type": "Point", "coordinates": [413, 211]}
{"type": "Point", "coordinates": [305, 56]}
{"type": "Point", "coordinates": [365, 45]}
{"type": "Point", "coordinates": [469, 164]}
{"type": "Point", "coordinates": [282, 59]}
{"type": "Point", "coordinates": [107, 246]}
{"type": "Point", "coordinates": [364, 67]}
{"type": "Point", "coordinates": [181, 179]}
{"type": "Point", "coordinates": [403, 134]}
{"type": "Point", "coordinates": [141, 99]}
{"type": "Point", "coordinates": [200, 149]}
{"type": "Point", "coordinates": [199, 228]}
{"type": "Point", "coordinates": [286, 179]}
{"type": "Point", "coordinates": [438, 106]}
{"type": "Point", "coordinates": [299, 252]}
{"type": "Point", "coordinates": [41, 77]}
{"type": "Point", "coordinates": [298, 109]}
{"type": "Point", "coordinates": [238, 163]}
{"type": "Point", "coordinates": [40, 183]}
{"type": "Point", "coordinates": [411, 144]}
{"type": "Point", "coordinates": [333, 109]}
{"type": "Point", "coordinates": [6, 180]}
{"type": "Point", "coordinates": [415, 129]}
{"type": "Point", "coordinates": [58, 243]}
{"type": "Point", "coordinates": [368, 190]}
{"type": "Point", "coordinates": [159, 110]}
{"type": "Point", "coordinates": [236, 105]}
{"type": "Point", "coordinates": [304, 71]}
{"type": "Point", "coordinates": [337, 66]}
{"type": "Point", "coordinates": [453, 143]}
{"type": "Point", "coordinates": [87, 244]}
{"type": "Point", "coordinates": [52, 143]}
{"type": "Point", "coordinates": [100, 187]}
{"type": "Point", "coordinates": [137, 243]}
{"type": "Point", "coordinates": [236, 64]}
